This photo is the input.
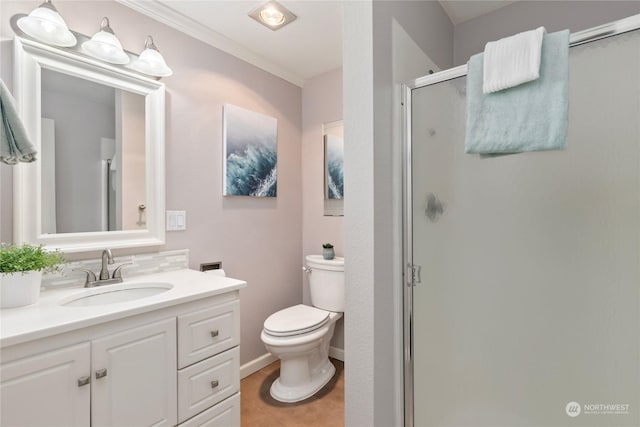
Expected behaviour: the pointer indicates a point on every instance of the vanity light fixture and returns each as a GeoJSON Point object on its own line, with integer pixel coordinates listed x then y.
{"type": "Point", "coordinates": [272, 15]}
{"type": "Point", "coordinates": [45, 24]}
{"type": "Point", "coordinates": [151, 62]}
{"type": "Point", "coordinates": [105, 46]}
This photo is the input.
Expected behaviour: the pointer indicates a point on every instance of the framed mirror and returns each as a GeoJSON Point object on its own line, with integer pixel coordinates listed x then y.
{"type": "Point", "coordinates": [99, 178]}
{"type": "Point", "coordinates": [333, 135]}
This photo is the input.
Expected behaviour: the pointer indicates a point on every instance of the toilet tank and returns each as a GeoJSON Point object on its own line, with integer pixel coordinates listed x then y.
{"type": "Point", "coordinates": [326, 282]}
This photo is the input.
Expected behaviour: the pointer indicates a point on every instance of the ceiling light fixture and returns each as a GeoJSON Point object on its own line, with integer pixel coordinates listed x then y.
{"type": "Point", "coordinates": [151, 62]}
{"type": "Point", "coordinates": [45, 24]}
{"type": "Point", "coordinates": [105, 46]}
{"type": "Point", "coordinates": [272, 15]}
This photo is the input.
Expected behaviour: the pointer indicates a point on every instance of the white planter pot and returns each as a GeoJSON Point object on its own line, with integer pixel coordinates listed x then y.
{"type": "Point", "coordinates": [18, 289]}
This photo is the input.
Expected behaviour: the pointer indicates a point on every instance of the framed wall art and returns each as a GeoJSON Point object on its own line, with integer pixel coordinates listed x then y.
{"type": "Point", "coordinates": [250, 144]}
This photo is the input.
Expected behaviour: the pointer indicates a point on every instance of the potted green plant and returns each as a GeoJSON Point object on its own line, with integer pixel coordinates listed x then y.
{"type": "Point", "coordinates": [21, 269]}
{"type": "Point", "coordinates": [327, 251]}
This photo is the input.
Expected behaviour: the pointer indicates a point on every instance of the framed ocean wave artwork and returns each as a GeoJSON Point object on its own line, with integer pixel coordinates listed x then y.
{"type": "Point", "coordinates": [250, 144]}
{"type": "Point", "coordinates": [334, 167]}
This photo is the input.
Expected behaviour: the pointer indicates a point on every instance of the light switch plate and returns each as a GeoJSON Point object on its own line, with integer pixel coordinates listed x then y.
{"type": "Point", "coordinates": [176, 220]}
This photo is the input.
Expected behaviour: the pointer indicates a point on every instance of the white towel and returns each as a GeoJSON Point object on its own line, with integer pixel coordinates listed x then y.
{"type": "Point", "coordinates": [512, 61]}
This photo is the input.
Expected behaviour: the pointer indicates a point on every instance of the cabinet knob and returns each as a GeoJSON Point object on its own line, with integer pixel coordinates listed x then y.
{"type": "Point", "coordinates": [215, 333]}
{"type": "Point", "coordinates": [100, 373]}
{"type": "Point", "coordinates": [214, 383]}
{"type": "Point", "coordinates": [82, 381]}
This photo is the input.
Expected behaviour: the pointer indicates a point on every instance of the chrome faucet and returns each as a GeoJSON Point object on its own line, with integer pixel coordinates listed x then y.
{"type": "Point", "coordinates": [107, 258]}
{"type": "Point", "coordinates": [104, 279]}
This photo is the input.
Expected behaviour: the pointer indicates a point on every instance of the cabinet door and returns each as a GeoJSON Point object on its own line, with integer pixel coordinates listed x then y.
{"type": "Point", "coordinates": [50, 389]}
{"type": "Point", "coordinates": [134, 377]}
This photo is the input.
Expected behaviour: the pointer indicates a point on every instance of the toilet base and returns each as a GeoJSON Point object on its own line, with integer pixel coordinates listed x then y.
{"type": "Point", "coordinates": [295, 394]}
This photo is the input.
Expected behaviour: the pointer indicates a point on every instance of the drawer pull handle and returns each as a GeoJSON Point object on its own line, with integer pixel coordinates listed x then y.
{"type": "Point", "coordinates": [214, 383]}
{"type": "Point", "coordinates": [101, 373]}
{"type": "Point", "coordinates": [214, 333]}
{"type": "Point", "coordinates": [82, 381]}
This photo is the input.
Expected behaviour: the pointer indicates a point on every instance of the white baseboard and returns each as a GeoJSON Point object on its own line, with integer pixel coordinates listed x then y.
{"type": "Point", "coordinates": [336, 353]}
{"type": "Point", "coordinates": [256, 364]}
{"type": "Point", "coordinates": [266, 359]}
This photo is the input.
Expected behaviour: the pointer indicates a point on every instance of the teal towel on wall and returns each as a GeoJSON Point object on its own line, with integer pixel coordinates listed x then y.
{"type": "Point", "coordinates": [15, 145]}
{"type": "Point", "coordinates": [529, 117]}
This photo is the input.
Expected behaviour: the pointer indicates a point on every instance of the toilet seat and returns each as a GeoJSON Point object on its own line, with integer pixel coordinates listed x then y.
{"type": "Point", "coordinates": [296, 320]}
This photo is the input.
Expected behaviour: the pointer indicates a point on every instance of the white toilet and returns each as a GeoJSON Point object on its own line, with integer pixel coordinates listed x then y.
{"type": "Point", "coordinates": [299, 336]}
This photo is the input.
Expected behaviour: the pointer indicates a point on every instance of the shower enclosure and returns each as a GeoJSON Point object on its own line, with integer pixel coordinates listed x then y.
{"type": "Point", "coordinates": [522, 298]}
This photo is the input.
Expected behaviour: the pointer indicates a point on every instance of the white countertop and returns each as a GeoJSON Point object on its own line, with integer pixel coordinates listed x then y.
{"type": "Point", "coordinates": [47, 317]}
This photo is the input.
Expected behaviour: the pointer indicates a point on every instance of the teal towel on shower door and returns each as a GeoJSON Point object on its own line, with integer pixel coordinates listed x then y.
{"type": "Point", "coordinates": [528, 117]}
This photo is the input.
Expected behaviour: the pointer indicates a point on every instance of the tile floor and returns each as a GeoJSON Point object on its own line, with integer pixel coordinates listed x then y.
{"type": "Point", "coordinates": [259, 409]}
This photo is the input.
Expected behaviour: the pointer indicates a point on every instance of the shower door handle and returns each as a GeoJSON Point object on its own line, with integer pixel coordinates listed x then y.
{"type": "Point", "coordinates": [414, 274]}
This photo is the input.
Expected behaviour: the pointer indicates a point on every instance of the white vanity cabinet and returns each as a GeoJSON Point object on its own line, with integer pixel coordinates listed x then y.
{"type": "Point", "coordinates": [47, 389]}
{"type": "Point", "coordinates": [133, 377]}
{"type": "Point", "coordinates": [175, 365]}
{"type": "Point", "coordinates": [209, 362]}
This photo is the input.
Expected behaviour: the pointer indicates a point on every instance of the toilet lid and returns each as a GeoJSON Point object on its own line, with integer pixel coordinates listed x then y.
{"type": "Point", "coordinates": [295, 320]}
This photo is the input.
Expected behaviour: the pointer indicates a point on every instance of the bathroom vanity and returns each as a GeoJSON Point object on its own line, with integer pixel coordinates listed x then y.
{"type": "Point", "coordinates": [159, 349]}
{"type": "Point", "coordinates": [92, 357]}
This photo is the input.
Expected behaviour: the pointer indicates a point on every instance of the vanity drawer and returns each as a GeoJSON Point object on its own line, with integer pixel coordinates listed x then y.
{"type": "Point", "coordinates": [206, 332]}
{"type": "Point", "coordinates": [224, 414]}
{"type": "Point", "coordinates": [206, 383]}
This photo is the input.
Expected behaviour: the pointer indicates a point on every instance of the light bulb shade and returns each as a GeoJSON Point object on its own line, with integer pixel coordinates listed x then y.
{"type": "Point", "coordinates": [46, 25]}
{"type": "Point", "coordinates": [151, 63]}
{"type": "Point", "coordinates": [106, 47]}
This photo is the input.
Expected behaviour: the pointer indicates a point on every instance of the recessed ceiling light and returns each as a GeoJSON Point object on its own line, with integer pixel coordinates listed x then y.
{"type": "Point", "coordinates": [272, 15]}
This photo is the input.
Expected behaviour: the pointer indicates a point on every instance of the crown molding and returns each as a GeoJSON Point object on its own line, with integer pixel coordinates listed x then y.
{"type": "Point", "coordinates": [174, 19]}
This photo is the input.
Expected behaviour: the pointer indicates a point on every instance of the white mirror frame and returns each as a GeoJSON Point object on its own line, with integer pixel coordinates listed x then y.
{"type": "Point", "coordinates": [29, 59]}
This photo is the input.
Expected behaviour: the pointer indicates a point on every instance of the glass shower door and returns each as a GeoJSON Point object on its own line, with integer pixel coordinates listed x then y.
{"type": "Point", "coordinates": [530, 264]}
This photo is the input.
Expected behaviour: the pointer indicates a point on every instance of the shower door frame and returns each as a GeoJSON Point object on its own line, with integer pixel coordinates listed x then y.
{"type": "Point", "coordinates": [411, 278]}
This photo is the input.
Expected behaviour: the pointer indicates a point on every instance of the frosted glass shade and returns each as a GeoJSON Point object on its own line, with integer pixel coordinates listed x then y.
{"type": "Point", "coordinates": [106, 47]}
{"type": "Point", "coordinates": [46, 25]}
{"type": "Point", "coordinates": [151, 62]}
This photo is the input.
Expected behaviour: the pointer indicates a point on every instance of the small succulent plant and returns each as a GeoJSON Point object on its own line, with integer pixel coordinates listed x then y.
{"type": "Point", "coordinates": [327, 245]}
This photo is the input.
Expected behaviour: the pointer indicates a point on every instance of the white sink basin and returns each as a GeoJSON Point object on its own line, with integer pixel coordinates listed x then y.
{"type": "Point", "coordinates": [111, 294]}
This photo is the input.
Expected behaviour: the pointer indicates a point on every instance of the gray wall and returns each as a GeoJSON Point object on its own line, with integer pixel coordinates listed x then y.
{"type": "Point", "coordinates": [471, 36]}
{"type": "Point", "coordinates": [372, 215]}
{"type": "Point", "coordinates": [321, 103]}
{"type": "Point", "coordinates": [258, 240]}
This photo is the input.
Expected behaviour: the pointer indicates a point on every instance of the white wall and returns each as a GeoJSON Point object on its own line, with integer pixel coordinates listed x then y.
{"type": "Point", "coordinates": [321, 103]}
{"type": "Point", "coordinates": [372, 217]}
{"type": "Point", "coordinates": [360, 374]}
{"type": "Point", "coordinates": [471, 36]}
{"type": "Point", "coordinates": [258, 240]}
